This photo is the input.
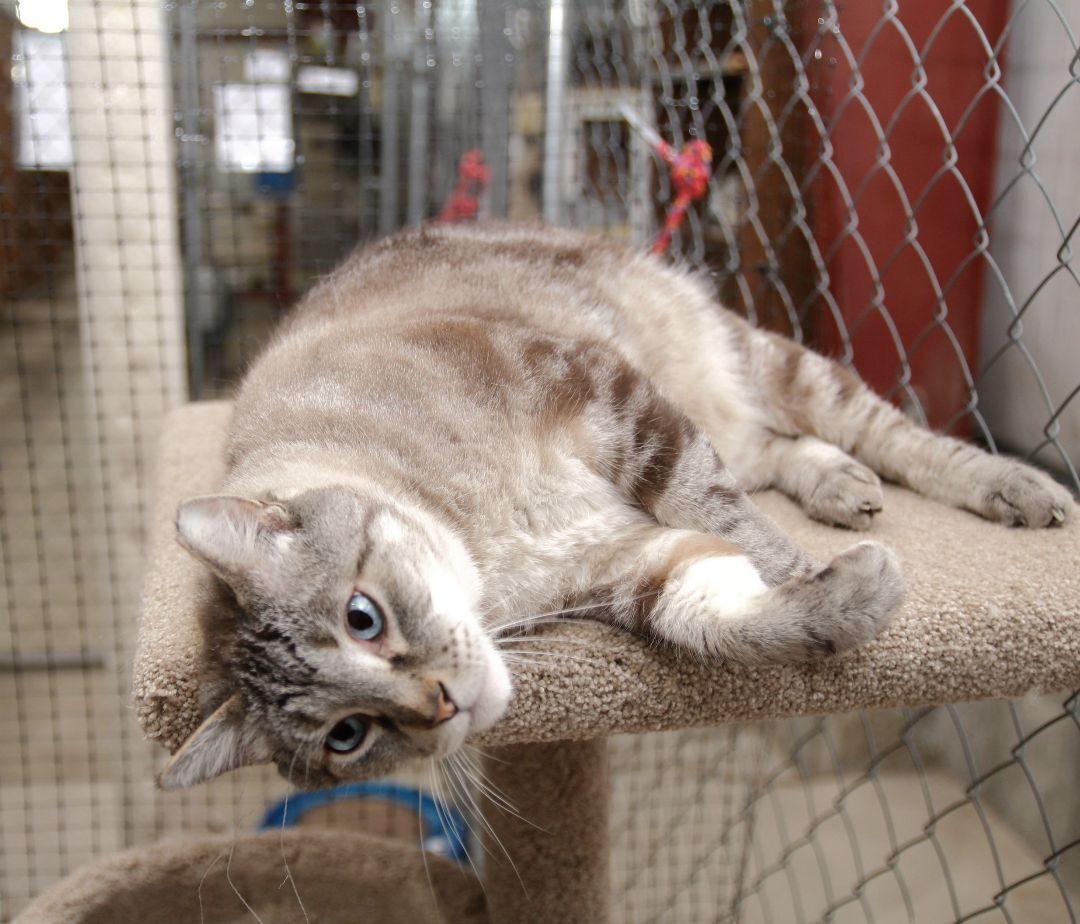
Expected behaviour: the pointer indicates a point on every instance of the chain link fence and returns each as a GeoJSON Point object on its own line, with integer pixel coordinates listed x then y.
{"type": "Point", "coordinates": [892, 182]}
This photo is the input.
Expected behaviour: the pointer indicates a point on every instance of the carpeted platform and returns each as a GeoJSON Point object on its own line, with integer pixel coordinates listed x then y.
{"type": "Point", "coordinates": [289, 876]}
{"type": "Point", "coordinates": [990, 612]}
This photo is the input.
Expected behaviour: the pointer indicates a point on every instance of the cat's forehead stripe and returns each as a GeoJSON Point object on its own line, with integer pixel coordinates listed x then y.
{"type": "Point", "coordinates": [364, 537]}
{"type": "Point", "coordinates": [387, 527]}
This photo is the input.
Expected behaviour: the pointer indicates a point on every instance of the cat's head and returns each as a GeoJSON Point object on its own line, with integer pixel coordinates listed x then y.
{"type": "Point", "coordinates": [351, 642]}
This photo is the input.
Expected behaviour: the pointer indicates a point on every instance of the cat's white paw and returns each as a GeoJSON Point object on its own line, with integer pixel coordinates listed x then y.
{"type": "Point", "coordinates": [728, 586]}
{"type": "Point", "coordinates": [1019, 495]}
{"type": "Point", "coordinates": [847, 495]}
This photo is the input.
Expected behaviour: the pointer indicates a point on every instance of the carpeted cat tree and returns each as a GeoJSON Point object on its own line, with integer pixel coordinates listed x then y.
{"type": "Point", "coordinates": [990, 612]}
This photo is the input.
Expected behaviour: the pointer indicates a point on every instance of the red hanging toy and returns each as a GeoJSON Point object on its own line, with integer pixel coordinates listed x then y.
{"type": "Point", "coordinates": [690, 178]}
{"type": "Point", "coordinates": [689, 167]}
{"type": "Point", "coordinates": [473, 177]}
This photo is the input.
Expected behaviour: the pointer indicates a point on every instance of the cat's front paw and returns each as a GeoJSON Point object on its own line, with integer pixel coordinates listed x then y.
{"type": "Point", "coordinates": [848, 495]}
{"type": "Point", "coordinates": [1019, 495]}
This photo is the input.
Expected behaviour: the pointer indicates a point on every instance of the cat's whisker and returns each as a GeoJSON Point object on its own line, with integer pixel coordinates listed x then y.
{"type": "Point", "coordinates": [473, 749]}
{"type": "Point", "coordinates": [454, 768]}
{"type": "Point", "coordinates": [548, 618]}
{"type": "Point", "coordinates": [556, 616]}
{"type": "Point", "coordinates": [487, 788]}
{"type": "Point", "coordinates": [524, 656]}
{"type": "Point", "coordinates": [442, 803]}
{"type": "Point", "coordinates": [464, 803]}
{"type": "Point", "coordinates": [531, 622]}
{"type": "Point", "coordinates": [466, 812]}
{"type": "Point", "coordinates": [468, 807]}
{"type": "Point", "coordinates": [447, 804]}
{"type": "Point", "coordinates": [545, 639]}
{"type": "Point", "coordinates": [541, 653]}
{"type": "Point", "coordinates": [436, 794]}
{"type": "Point", "coordinates": [284, 817]}
{"type": "Point", "coordinates": [423, 852]}
{"type": "Point", "coordinates": [469, 775]}
{"type": "Point", "coordinates": [198, 893]}
{"type": "Point", "coordinates": [492, 792]}
{"type": "Point", "coordinates": [539, 649]}
{"type": "Point", "coordinates": [236, 891]}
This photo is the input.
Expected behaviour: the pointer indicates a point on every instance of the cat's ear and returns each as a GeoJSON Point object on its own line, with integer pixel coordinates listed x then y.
{"type": "Point", "coordinates": [225, 741]}
{"type": "Point", "coordinates": [235, 536]}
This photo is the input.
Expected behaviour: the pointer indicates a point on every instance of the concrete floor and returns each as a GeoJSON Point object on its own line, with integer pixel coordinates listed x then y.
{"type": "Point", "coordinates": [909, 873]}
{"type": "Point", "coordinates": [685, 850]}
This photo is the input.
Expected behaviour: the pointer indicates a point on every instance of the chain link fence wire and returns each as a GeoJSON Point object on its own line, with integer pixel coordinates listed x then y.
{"type": "Point", "coordinates": [893, 183]}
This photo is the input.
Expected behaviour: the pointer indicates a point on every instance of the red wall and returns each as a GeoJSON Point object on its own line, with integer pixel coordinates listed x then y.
{"type": "Point", "coordinates": [928, 271]}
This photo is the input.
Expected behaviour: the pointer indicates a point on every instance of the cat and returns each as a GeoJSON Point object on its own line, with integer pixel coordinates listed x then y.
{"type": "Point", "coordinates": [464, 428]}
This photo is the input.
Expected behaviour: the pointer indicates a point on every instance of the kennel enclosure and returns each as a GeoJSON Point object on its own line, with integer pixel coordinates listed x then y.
{"type": "Point", "coordinates": [892, 182]}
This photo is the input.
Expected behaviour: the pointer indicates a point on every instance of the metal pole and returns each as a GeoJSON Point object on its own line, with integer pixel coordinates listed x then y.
{"type": "Point", "coordinates": [365, 156]}
{"type": "Point", "coordinates": [555, 101]}
{"type": "Point", "coordinates": [389, 142]}
{"type": "Point", "coordinates": [193, 231]}
{"type": "Point", "coordinates": [641, 156]}
{"type": "Point", "coordinates": [495, 101]}
{"type": "Point", "coordinates": [419, 116]}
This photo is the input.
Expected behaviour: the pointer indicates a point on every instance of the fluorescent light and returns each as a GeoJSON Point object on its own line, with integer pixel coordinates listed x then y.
{"type": "Point", "coordinates": [43, 15]}
{"type": "Point", "coordinates": [267, 65]}
{"type": "Point", "coordinates": [253, 128]}
{"type": "Point", "coordinates": [40, 103]}
{"type": "Point", "coordinates": [331, 81]}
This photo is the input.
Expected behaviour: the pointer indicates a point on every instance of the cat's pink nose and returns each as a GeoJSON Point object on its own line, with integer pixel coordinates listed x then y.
{"type": "Point", "coordinates": [445, 708]}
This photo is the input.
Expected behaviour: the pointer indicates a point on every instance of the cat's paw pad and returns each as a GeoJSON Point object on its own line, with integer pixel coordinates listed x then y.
{"type": "Point", "coordinates": [848, 495]}
{"type": "Point", "coordinates": [1019, 495]}
{"type": "Point", "coordinates": [858, 592]}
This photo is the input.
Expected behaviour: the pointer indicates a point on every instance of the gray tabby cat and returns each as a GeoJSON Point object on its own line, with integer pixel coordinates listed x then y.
{"type": "Point", "coordinates": [464, 428]}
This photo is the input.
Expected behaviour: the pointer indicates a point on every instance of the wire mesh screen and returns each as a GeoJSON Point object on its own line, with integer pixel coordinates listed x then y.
{"type": "Point", "coordinates": [892, 182]}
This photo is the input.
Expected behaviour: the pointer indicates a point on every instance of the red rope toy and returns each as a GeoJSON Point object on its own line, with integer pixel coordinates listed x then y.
{"type": "Point", "coordinates": [473, 177]}
{"type": "Point", "coordinates": [689, 170]}
{"type": "Point", "coordinates": [689, 167]}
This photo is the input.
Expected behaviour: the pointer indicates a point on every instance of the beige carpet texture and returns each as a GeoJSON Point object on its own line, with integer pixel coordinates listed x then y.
{"type": "Point", "coordinates": [990, 612]}
{"type": "Point", "coordinates": [275, 877]}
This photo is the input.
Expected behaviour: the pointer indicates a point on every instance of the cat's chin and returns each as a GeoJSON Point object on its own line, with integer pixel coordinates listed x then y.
{"type": "Point", "coordinates": [493, 696]}
{"type": "Point", "coordinates": [487, 707]}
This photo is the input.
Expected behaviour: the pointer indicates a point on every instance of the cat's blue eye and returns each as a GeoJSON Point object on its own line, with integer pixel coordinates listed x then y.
{"type": "Point", "coordinates": [364, 617]}
{"type": "Point", "coordinates": [348, 734]}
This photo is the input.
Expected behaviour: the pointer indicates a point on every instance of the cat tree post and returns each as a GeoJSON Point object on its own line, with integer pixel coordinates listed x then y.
{"type": "Point", "coordinates": [559, 843]}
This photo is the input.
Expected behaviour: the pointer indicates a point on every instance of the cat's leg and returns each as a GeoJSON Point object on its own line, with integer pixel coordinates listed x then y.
{"type": "Point", "coordinates": [704, 594]}
{"type": "Point", "coordinates": [667, 466]}
{"type": "Point", "coordinates": [804, 393]}
{"type": "Point", "coordinates": [623, 428]}
{"type": "Point", "coordinates": [824, 480]}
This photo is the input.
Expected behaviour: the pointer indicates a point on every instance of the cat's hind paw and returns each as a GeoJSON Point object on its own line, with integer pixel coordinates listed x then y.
{"type": "Point", "coordinates": [854, 597]}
